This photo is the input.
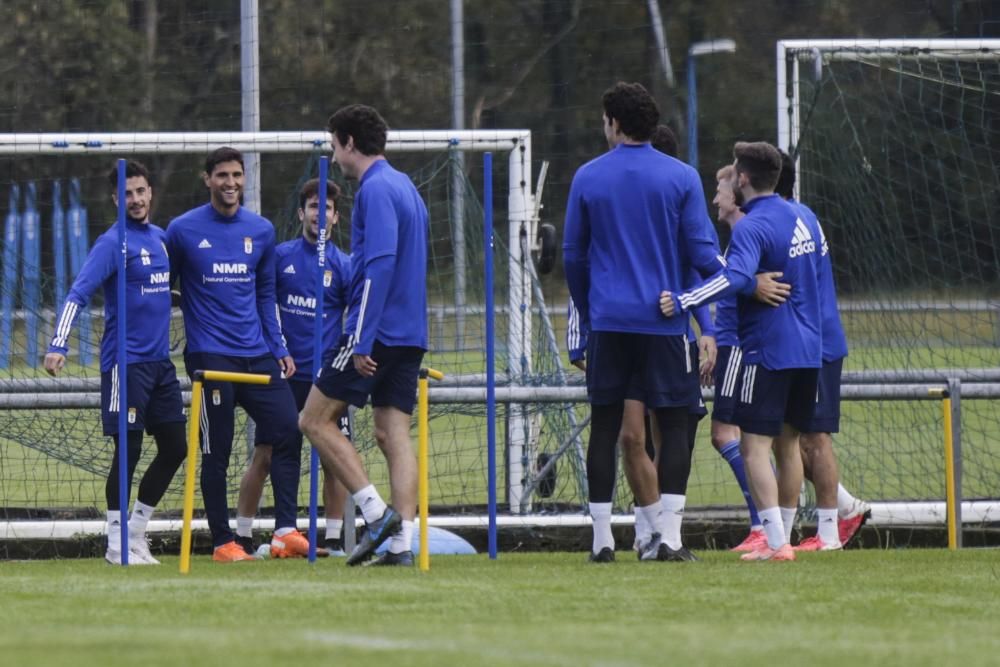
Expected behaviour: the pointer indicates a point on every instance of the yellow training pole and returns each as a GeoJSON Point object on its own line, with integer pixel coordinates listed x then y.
{"type": "Point", "coordinates": [423, 478]}
{"type": "Point", "coordinates": [194, 431]}
{"type": "Point", "coordinates": [194, 428]}
{"type": "Point", "coordinates": [949, 474]}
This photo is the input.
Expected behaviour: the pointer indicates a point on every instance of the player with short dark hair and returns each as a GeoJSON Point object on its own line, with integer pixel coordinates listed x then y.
{"type": "Point", "coordinates": [635, 217]}
{"type": "Point", "coordinates": [782, 347]}
{"type": "Point", "coordinates": [839, 515]}
{"type": "Point", "coordinates": [295, 284]}
{"type": "Point", "coordinates": [386, 336]}
{"type": "Point", "coordinates": [223, 255]}
{"type": "Point", "coordinates": [154, 395]}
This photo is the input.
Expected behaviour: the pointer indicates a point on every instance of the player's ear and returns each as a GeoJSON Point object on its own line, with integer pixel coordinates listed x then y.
{"type": "Point", "coordinates": [114, 199]}
{"type": "Point", "coordinates": [206, 178]}
{"type": "Point", "coordinates": [302, 215]}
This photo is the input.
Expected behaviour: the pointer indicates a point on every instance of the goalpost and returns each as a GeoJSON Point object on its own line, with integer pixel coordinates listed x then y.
{"type": "Point", "coordinates": [521, 347]}
{"type": "Point", "coordinates": [897, 150]}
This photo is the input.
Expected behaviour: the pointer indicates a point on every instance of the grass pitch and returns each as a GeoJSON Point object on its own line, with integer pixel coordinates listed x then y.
{"type": "Point", "coordinates": [909, 607]}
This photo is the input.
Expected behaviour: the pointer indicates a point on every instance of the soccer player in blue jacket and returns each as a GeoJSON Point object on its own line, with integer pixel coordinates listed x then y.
{"type": "Point", "coordinates": [635, 217]}
{"type": "Point", "coordinates": [839, 514]}
{"type": "Point", "coordinates": [782, 347]}
{"type": "Point", "coordinates": [386, 335]}
{"type": "Point", "coordinates": [223, 256]}
{"type": "Point", "coordinates": [154, 395]}
{"type": "Point", "coordinates": [295, 267]}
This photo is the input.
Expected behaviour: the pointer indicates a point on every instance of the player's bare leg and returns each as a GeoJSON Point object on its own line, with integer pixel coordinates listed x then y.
{"type": "Point", "coordinates": [756, 451]}
{"type": "Point", "coordinates": [392, 433]}
{"type": "Point", "coordinates": [251, 490]}
{"type": "Point", "coordinates": [820, 467]}
{"type": "Point", "coordinates": [640, 472]}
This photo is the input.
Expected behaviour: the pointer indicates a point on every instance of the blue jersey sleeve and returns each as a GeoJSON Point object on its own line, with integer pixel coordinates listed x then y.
{"type": "Point", "coordinates": [737, 278]}
{"type": "Point", "coordinates": [380, 249]}
{"type": "Point", "coordinates": [702, 243]}
{"type": "Point", "coordinates": [702, 314]}
{"type": "Point", "coordinates": [98, 267]}
{"type": "Point", "coordinates": [576, 246]}
{"type": "Point", "coordinates": [576, 334]}
{"type": "Point", "coordinates": [267, 306]}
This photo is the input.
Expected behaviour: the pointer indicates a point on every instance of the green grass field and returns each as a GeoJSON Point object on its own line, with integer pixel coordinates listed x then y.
{"type": "Point", "coordinates": [905, 607]}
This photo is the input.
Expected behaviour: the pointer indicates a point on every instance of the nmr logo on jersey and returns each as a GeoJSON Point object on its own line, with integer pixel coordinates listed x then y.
{"type": "Point", "coordinates": [301, 301]}
{"type": "Point", "coordinates": [802, 243]}
{"type": "Point", "coordinates": [161, 278]}
{"type": "Point", "coordinates": [229, 267]}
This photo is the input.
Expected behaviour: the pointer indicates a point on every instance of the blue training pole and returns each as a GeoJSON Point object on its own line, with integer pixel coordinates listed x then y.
{"type": "Point", "coordinates": [123, 494]}
{"type": "Point", "coordinates": [78, 243]}
{"type": "Point", "coordinates": [11, 256]}
{"type": "Point", "coordinates": [319, 309]}
{"type": "Point", "coordinates": [491, 399]}
{"type": "Point", "coordinates": [31, 260]}
{"type": "Point", "coordinates": [58, 246]}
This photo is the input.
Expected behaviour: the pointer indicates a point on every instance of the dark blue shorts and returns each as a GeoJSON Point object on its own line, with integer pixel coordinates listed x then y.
{"type": "Point", "coordinates": [826, 418]}
{"type": "Point", "coordinates": [300, 390]}
{"type": "Point", "coordinates": [768, 399]}
{"type": "Point", "coordinates": [655, 370]}
{"type": "Point", "coordinates": [154, 397]}
{"type": "Point", "coordinates": [727, 371]}
{"type": "Point", "coordinates": [393, 385]}
{"type": "Point", "coordinates": [697, 408]}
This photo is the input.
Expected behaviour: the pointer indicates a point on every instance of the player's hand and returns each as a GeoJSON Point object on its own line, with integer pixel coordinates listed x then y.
{"type": "Point", "coordinates": [365, 365]}
{"type": "Point", "coordinates": [581, 364]}
{"type": "Point", "coordinates": [707, 353]}
{"type": "Point", "coordinates": [287, 365]}
{"type": "Point", "coordinates": [667, 306]}
{"type": "Point", "coordinates": [769, 290]}
{"type": "Point", "coordinates": [54, 363]}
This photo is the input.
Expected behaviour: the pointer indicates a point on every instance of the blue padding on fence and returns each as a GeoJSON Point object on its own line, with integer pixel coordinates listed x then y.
{"type": "Point", "coordinates": [31, 260]}
{"type": "Point", "coordinates": [58, 246]}
{"type": "Point", "coordinates": [11, 255]}
{"type": "Point", "coordinates": [439, 542]}
{"type": "Point", "coordinates": [79, 246]}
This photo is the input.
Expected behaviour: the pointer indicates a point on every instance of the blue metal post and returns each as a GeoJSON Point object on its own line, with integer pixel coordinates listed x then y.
{"type": "Point", "coordinates": [123, 490]}
{"type": "Point", "coordinates": [31, 260]}
{"type": "Point", "coordinates": [692, 114]}
{"type": "Point", "coordinates": [491, 403]}
{"type": "Point", "coordinates": [58, 246]}
{"type": "Point", "coordinates": [11, 258]}
{"type": "Point", "coordinates": [319, 310]}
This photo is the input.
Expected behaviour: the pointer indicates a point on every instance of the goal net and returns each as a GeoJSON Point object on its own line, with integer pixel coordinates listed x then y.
{"type": "Point", "coordinates": [898, 151]}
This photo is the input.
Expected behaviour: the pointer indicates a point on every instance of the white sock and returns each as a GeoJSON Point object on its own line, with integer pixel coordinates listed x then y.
{"type": "Point", "coordinates": [403, 539]}
{"type": "Point", "coordinates": [141, 514]}
{"type": "Point", "coordinates": [673, 514]}
{"type": "Point", "coordinates": [788, 521]}
{"type": "Point", "coordinates": [114, 530]}
{"type": "Point", "coordinates": [601, 514]}
{"type": "Point", "coordinates": [642, 529]}
{"type": "Point", "coordinates": [773, 527]}
{"type": "Point", "coordinates": [845, 501]}
{"type": "Point", "coordinates": [244, 526]}
{"type": "Point", "coordinates": [281, 532]}
{"type": "Point", "coordinates": [333, 528]}
{"type": "Point", "coordinates": [827, 526]}
{"type": "Point", "coordinates": [653, 516]}
{"type": "Point", "coordinates": [371, 503]}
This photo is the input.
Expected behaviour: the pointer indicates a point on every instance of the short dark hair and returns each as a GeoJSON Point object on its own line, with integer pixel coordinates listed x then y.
{"type": "Point", "coordinates": [311, 189]}
{"type": "Point", "coordinates": [634, 109]}
{"type": "Point", "coordinates": [664, 140]}
{"type": "Point", "coordinates": [133, 168]}
{"type": "Point", "coordinates": [786, 181]}
{"type": "Point", "coordinates": [760, 161]}
{"type": "Point", "coordinates": [220, 155]}
{"type": "Point", "coordinates": [364, 124]}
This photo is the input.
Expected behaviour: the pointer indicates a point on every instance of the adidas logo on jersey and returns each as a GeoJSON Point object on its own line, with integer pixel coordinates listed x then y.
{"type": "Point", "coordinates": [204, 244]}
{"type": "Point", "coordinates": [802, 243]}
{"type": "Point", "coordinates": [290, 269]}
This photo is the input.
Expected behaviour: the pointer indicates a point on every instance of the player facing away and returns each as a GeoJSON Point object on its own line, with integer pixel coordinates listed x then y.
{"type": "Point", "coordinates": [386, 336]}
{"type": "Point", "coordinates": [154, 395]}
{"type": "Point", "coordinates": [295, 284]}
{"type": "Point", "coordinates": [634, 217]}
{"type": "Point", "coordinates": [839, 515]}
{"type": "Point", "coordinates": [223, 256]}
{"type": "Point", "coordinates": [782, 347]}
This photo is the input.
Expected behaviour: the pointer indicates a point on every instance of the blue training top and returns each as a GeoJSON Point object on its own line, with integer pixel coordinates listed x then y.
{"type": "Point", "coordinates": [636, 220]}
{"type": "Point", "coordinates": [295, 279]}
{"type": "Point", "coordinates": [834, 340]}
{"type": "Point", "coordinates": [226, 271]}
{"type": "Point", "coordinates": [772, 237]}
{"type": "Point", "coordinates": [147, 277]}
{"type": "Point", "coordinates": [389, 228]}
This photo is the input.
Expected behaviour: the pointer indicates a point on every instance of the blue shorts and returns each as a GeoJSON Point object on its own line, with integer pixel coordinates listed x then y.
{"type": "Point", "coordinates": [767, 399]}
{"type": "Point", "coordinates": [300, 390]}
{"type": "Point", "coordinates": [393, 385]}
{"type": "Point", "coordinates": [154, 397]}
{"type": "Point", "coordinates": [727, 371]}
{"type": "Point", "coordinates": [697, 408]}
{"type": "Point", "coordinates": [655, 370]}
{"type": "Point", "coordinates": [826, 418]}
